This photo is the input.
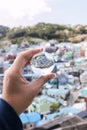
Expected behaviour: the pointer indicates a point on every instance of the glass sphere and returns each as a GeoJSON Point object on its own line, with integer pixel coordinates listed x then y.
{"type": "Point", "coordinates": [42, 63]}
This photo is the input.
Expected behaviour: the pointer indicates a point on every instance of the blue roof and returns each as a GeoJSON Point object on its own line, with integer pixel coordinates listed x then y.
{"type": "Point", "coordinates": [61, 91]}
{"type": "Point", "coordinates": [84, 92]}
{"type": "Point", "coordinates": [68, 110]}
{"type": "Point", "coordinates": [30, 118]}
{"type": "Point", "coordinates": [33, 117]}
{"type": "Point", "coordinates": [24, 118]}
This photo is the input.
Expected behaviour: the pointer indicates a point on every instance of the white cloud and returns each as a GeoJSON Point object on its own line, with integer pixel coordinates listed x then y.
{"type": "Point", "coordinates": [14, 10]}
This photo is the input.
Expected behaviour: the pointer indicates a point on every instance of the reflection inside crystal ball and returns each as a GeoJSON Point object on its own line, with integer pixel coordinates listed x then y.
{"type": "Point", "coordinates": [42, 63]}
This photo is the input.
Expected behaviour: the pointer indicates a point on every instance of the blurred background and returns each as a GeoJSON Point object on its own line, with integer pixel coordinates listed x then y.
{"type": "Point", "coordinates": [60, 27]}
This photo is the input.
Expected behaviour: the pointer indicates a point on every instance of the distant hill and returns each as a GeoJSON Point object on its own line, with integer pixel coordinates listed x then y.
{"type": "Point", "coordinates": [45, 31]}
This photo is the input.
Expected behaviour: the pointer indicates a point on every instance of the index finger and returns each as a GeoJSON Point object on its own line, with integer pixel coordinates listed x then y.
{"type": "Point", "coordinates": [23, 58]}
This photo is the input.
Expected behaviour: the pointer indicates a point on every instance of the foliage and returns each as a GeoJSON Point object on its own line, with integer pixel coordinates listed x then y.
{"type": "Point", "coordinates": [3, 31]}
{"type": "Point", "coordinates": [16, 33]}
{"type": "Point", "coordinates": [45, 31]}
{"type": "Point", "coordinates": [54, 107]}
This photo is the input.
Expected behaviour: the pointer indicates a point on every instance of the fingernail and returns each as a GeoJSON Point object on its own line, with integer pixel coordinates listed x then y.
{"type": "Point", "coordinates": [52, 76]}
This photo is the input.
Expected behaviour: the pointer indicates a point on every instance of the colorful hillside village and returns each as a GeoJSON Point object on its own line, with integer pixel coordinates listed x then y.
{"type": "Point", "coordinates": [61, 99]}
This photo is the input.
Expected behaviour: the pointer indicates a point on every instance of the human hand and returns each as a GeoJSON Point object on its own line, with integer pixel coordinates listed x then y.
{"type": "Point", "coordinates": [17, 91]}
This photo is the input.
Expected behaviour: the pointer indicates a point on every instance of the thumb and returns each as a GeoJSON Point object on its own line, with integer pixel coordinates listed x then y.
{"type": "Point", "coordinates": [42, 80]}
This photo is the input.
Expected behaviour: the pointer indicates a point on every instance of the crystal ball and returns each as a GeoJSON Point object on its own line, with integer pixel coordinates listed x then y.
{"type": "Point", "coordinates": [42, 64]}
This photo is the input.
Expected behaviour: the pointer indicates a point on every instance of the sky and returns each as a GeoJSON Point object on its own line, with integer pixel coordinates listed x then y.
{"type": "Point", "coordinates": [15, 13]}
